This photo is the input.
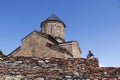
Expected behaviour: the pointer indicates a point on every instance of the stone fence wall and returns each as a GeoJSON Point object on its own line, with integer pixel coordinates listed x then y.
{"type": "Point", "coordinates": [26, 68]}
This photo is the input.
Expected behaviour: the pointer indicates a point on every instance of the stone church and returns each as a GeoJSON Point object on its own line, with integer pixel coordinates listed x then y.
{"type": "Point", "coordinates": [49, 42]}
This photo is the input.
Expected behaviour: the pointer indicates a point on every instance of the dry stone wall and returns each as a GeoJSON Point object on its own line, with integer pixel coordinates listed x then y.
{"type": "Point", "coordinates": [27, 68]}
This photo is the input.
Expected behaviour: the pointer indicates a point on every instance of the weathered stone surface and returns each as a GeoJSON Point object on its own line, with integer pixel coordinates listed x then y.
{"type": "Point", "coordinates": [42, 45]}
{"type": "Point", "coordinates": [27, 68]}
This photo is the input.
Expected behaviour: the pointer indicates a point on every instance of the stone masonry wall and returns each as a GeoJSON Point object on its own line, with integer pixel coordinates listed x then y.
{"type": "Point", "coordinates": [27, 68]}
{"type": "Point", "coordinates": [73, 48]}
{"type": "Point", "coordinates": [35, 45]}
{"type": "Point", "coordinates": [54, 28]}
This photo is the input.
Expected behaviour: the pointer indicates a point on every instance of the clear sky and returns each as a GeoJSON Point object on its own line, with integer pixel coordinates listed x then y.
{"type": "Point", "coordinates": [95, 24]}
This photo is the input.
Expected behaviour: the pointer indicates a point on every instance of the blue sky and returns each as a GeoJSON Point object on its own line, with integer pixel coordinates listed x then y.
{"type": "Point", "coordinates": [95, 24]}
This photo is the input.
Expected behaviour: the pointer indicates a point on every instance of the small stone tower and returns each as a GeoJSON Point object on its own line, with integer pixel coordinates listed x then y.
{"type": "Point", "coordinates": [54, 27]}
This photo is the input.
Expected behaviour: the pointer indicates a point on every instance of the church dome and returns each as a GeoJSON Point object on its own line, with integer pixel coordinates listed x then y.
{"type": "Point", "coordinates": [53, 17]}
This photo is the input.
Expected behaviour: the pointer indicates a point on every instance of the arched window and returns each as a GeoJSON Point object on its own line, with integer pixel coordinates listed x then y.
{"type": "Point", "coordinates": [51, 30]}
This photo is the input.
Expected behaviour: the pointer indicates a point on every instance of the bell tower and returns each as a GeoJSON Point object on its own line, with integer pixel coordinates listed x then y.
{"type": "Point", "coordinates": [54, 27]}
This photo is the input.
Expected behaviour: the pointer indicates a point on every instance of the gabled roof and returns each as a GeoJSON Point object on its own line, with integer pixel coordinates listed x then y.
{"type": "Point", "coordinates": [43, 35]}
{"type": "Point", "coordinates": [49, 37]}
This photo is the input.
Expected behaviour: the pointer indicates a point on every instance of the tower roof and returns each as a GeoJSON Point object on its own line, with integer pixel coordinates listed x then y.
{"type": "Point", "coordinates": [53, 17]}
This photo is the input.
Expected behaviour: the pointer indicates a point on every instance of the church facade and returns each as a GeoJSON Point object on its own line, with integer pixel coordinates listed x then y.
{"type": "Point", "coordinates": [49, 42]}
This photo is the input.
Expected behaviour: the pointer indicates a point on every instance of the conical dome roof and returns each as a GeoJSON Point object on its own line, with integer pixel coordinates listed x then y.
{"type": "Point", "coordinates": [53, 17]}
